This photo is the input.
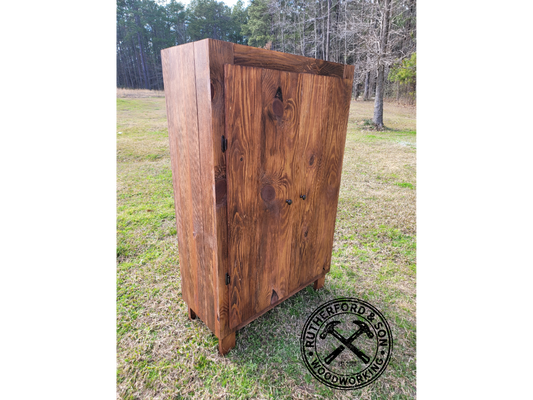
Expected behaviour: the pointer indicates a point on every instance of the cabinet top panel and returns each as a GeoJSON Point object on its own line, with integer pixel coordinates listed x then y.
{"type": "Point", "coordinates": [262, 58]}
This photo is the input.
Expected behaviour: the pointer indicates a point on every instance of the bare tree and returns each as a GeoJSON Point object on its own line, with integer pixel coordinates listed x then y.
{"type": "Point", "coordinates": [385, 10]}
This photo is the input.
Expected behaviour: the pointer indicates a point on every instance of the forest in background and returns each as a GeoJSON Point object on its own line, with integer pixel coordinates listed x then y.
{"type": "Point", "coordinates": [378, 37]}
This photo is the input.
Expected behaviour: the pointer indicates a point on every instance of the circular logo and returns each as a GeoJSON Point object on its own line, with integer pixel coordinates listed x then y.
{"type": "Point", "coordinates": [346, 343]}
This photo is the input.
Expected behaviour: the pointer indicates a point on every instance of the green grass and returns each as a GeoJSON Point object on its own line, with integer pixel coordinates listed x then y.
{"type": "Point", "coordinates": [405, 185]}
{"type": "Point", "coordinates": [161, 354]}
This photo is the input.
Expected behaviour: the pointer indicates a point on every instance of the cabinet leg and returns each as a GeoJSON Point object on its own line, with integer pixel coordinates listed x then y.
{"type": "Point", "coordinates": [319, 283]}
{"type": "Point", "coordinates": [226, 344]}
{"type": "Point", "coordinates": [192, 314]}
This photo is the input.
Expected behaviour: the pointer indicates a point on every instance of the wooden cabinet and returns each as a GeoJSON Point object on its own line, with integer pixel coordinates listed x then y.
{"type": "Point", "coordinates": [256, 143]}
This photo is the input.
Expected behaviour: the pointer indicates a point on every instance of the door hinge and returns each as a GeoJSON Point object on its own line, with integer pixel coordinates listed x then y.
{"type": "Point", "coordinates": [227, 279]}
{"type": "Point", "coordinates": [224, 144]}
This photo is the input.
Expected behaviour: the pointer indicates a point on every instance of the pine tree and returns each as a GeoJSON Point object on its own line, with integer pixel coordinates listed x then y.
{"type": "Point", "coordinates": [258, 28]}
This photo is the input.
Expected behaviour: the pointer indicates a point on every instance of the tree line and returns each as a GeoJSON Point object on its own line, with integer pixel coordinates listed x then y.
{"type": "Point", "coordinates": [378, 37]}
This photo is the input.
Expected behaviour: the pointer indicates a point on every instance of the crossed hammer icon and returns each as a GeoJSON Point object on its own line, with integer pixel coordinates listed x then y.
{"type": "Point", "coordinates": [330, 329]}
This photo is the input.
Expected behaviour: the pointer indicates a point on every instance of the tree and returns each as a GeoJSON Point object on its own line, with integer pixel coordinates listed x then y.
{"type": "Point", "coordinates": [208, 19]}
{"type": "Point", "coordinates": [385, 9]}
{"type": "Point", "coordinates": [239, 18]}
{"type": "Point", "coordinates": [356, 32]}
{"type": "Point", "coordinates": [257, 30]}
{"type": "Point", "coordinates": [404, 74]}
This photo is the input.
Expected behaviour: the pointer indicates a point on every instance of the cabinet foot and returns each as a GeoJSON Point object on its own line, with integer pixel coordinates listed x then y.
{"type": "Point", "coordinates": [319, 283]}
{"type": "Point", "coordinates": [192, 314]}
{"type": "Point", "coordinates": [226, 344]}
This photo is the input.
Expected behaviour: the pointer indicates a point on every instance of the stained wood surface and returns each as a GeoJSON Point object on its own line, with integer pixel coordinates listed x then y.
{"type": "Point", "coordinates": [269, 59]}
{"type": "Point", "coordinates": [271, 306]}
{"type": "Point", "coordinates": [283, 117]}
{"type": "Point", "coordinates": [220, 53]}
{"type": "Point", "coordinates": [225, 344]}
{"type": "Point", "coordinates": [180, 120]}
{"type": "Point", "coordinates": [286, 134]}
{"type": "Point", "coordinates": [186, 75]}
{"type": "Point", "coordinates": [210, 57]}
{"type": "Point", "coordinates": [319, 283]}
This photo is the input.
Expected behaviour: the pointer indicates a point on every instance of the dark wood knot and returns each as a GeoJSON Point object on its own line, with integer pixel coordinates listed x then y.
{"type": "Point", "coordinates": [274, 297]}
{"type": "Point", "coordinates": [278, 94]}
{"type": "Point", "coordinates": [268, 193]}
{"type": "Point", "coordinates": [277, 108]}
{"type": "Point", "coordinates": [220, 191]}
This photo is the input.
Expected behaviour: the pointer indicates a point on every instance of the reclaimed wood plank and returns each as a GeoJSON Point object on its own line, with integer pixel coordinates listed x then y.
{"type": "Point", "coordinates": [280, 120]}
{"type": "Point", "coordinates": [262, 58]}
{"type": "Point", "coordinates": [226, 343]}
{"type": "Point", "coordinates": [313, 126]}
{"type": "Point", "coordinates": [348, 72]}
{"type": "Point", "coordinates": [181, 121]}
{"type": "Point", "coordinates": [339, 106]}
{"type": "Point", "coordinates": [271, 306]}
{"type": "Point", "coordinates": [319, 283]}
{"type": "Point", "coordinates": [220, 53]}
{"type": "Point", "coordinates": [243, 106]}
{"type": "Point", "coordinates": [205, 192]}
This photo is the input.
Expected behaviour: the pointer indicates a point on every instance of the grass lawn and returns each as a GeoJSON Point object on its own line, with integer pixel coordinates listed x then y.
{"type": "Point", "coordinates": [163, 355]}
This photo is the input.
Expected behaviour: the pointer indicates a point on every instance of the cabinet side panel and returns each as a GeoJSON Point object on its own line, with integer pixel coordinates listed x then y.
{"type": "Point", "coordinates": [220, 53]}
{"type": "Point", "coordinates": [178, 76]}
{"type": "Point", "coordinates": [206, 191]}
{"type": "Point", "coordinates": [339, 95]}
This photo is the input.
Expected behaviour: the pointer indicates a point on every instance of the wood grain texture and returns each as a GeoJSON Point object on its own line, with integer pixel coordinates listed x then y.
{"type": "Point", "coordinates": [348, 72]}
{"type": "Point", "coordinates": [319, 283]}
{"type": "Point", "coordinates": [339, 106]}
{"type": "Point", "coordinates": [225, 344]}
{"type": "Point", "coordinates": [271, 306]}
{"type": "Point", "coordinates": [243, 111]}
{"type": "Point", "coordinates": [205, 193]}
{"type": "Point", "coordinates": [220, 53]}
{"type": "Point", "coordinates": [255, 57]}
{"type": "Point", "coordinates": [286, 126]}
{"type": "Point", "coordinates": [310, 176]}
{"type": "Point", "coordinates": [292, 148]}
{"type": "Point", "coordinates": [189, 97]}
{"type": "Point", "coordinates": [182, 120]}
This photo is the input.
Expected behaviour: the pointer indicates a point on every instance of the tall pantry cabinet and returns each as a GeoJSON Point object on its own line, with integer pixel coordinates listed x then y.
{"type": "Point", "coordinates": [256, 144]}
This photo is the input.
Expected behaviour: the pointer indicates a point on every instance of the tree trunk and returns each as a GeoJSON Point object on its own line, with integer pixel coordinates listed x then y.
{"type": "Point", "coordinates": [367, 86]}
{"type": "Point", "coordinates": [141, 49]}
{"type": "Point", "coordinates": [323, 34]}
{"type": "Point", "coordinates": [346, 33]}
{"type": "Point", "coordinates": [327, 34]}
{"type": "Point", "coordinates": [316, 36]}
{"type": "Point", "coordinates": [303, 31]}
{"type": "Point", "coordinates": [378, 103]}
{"type": "Point", "coordinates": [398, 92]}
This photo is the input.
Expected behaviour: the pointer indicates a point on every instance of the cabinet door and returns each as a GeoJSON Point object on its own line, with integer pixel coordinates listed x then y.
{"type": "Point", "coordinates": [286, 133]}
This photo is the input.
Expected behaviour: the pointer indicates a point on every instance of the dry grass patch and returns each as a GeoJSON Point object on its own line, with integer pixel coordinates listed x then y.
{"type": "Point", "coordinates": [139, 93]}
